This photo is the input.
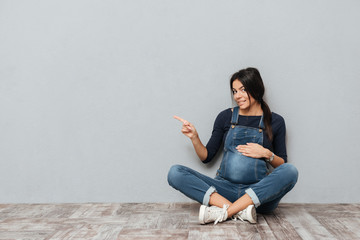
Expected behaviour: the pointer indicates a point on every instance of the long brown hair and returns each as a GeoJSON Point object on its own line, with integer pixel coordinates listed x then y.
{"type": "Point", "coordinates": [253, 84]}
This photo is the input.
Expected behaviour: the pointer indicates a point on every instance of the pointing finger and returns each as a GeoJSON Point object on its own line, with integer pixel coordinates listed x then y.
{"type": "Point", "coordinates": [186, 123]}
{"type": "Point", "coordinates": [180, 119]}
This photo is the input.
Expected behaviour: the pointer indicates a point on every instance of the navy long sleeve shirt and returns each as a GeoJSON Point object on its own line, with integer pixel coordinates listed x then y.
{"type": "Point", "coordinates": [222, 125]}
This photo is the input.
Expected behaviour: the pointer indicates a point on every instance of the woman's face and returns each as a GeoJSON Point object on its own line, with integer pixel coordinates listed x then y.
{"type": "Point", "coordinates": [243, 100]}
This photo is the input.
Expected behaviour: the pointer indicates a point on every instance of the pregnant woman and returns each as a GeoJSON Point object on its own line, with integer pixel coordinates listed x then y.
{"type": "Point", "coordinates": [254, 140]}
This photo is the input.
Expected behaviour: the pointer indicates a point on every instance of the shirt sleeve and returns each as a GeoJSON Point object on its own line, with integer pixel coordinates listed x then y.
{"type": "Point", "coordinates": [279, 144]}
{"type": "Point", "coordinates": [217, 136]}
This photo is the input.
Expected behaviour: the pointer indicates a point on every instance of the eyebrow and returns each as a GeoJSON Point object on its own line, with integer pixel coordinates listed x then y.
{"type": "Point", "coordinates": [239, 88]}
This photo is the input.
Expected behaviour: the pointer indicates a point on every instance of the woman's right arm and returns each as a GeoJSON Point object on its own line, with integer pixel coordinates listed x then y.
{"type": "Point", "coordinates": [189, 130]}
{"type": "Point", "coordinates": [200, 149]}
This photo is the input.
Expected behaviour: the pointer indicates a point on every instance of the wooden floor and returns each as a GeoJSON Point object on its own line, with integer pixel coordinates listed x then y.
{"type": "Point", "coordinates": [173, 221]}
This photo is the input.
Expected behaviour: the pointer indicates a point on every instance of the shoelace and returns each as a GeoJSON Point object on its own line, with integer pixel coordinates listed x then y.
{"type": "Point", "coordinates": [237, 216]}
{"type": "Point", "coordinates": [222, 214]}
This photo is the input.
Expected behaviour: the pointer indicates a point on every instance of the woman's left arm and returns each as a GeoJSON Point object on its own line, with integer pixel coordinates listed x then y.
{"type": "Point", "coordinates": [255, 150]}
{"type": "Point", "coordinates": [277, 161]}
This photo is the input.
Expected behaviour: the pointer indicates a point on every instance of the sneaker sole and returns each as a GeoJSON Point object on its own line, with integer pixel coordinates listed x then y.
{"type": "Point", "coordinates": [202, 214]}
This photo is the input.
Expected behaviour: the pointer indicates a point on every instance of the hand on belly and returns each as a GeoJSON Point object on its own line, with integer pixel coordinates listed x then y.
{"type": "Point", "coordinates": [252, 150]}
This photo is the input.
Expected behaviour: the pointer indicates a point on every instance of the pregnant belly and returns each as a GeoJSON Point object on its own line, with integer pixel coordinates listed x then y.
{"type": "Point", "coordinates": [242, 169]}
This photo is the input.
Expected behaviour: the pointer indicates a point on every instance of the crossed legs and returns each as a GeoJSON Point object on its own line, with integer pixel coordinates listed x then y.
{"type": "Point", "coordinates": [243, 202]}
{"type": "Point", "coordinates": [265, 194]}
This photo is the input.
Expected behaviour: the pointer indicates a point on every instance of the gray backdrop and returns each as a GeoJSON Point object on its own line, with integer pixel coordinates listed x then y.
{"type": "Point", "coordinates": [88, 90]}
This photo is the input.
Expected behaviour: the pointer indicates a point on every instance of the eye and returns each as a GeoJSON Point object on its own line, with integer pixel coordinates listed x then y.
{"type": "Point", "coordinates": [243, 90]}
{"type": "Point", "coordinates": [234, 91]}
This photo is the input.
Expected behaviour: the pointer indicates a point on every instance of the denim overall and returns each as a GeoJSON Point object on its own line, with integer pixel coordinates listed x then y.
{"type": "Point", "coordinates": [238, 174]}
{"type": "Point", "coordinates": [235, 167]}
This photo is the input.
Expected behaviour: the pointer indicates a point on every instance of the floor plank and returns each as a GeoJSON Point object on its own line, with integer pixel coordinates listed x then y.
{"type": "Point", "coordinates": [172, 221]}
{"type": "Point", "coordinates": [264, 229]}
{"type": "Point", "coordinates": [307, 226]}
{"type": "Point", "coordinates": [281, 228]}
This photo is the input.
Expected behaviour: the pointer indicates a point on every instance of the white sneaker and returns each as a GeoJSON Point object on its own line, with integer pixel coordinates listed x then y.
{"type": "Point", "coordinates": [248, 214]}
{"type": "Point", "coordinates": [212, 214]}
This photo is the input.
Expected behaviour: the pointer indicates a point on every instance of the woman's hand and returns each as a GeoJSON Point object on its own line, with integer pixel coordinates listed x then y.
{"type": "Point", "coordinates": [187, 128]}
{"type": "Point", "coordinates": [253, 150]}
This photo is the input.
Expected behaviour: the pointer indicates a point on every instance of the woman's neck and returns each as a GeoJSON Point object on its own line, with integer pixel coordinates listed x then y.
{"type": "Point", "coordinates": [254, 110]}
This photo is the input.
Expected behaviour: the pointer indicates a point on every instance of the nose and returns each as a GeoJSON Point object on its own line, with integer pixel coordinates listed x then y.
{"type": "Point", "coordinates": [237, 95]}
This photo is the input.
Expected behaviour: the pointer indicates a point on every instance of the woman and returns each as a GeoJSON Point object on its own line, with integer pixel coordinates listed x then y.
{"type": "Point", "coordinates": [254, 138]}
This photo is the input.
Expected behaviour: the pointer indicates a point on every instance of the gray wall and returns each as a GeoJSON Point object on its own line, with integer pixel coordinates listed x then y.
{"type": "Point", "coordinates": [88, 90]}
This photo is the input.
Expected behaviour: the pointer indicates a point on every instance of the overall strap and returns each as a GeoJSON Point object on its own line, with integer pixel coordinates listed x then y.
{"type": "Point", "coordinates": [235, 116]}
{"type": "Point", "coordinates": [261, 123]}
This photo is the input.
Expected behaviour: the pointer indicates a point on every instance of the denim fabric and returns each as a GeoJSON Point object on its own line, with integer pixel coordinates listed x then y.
{"type": "Point", "coordinates": [266, 194]}
{"type": "Point", "coordinates": [236, 167]}
{"type": "Point", "coordinates": [238, 174]}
